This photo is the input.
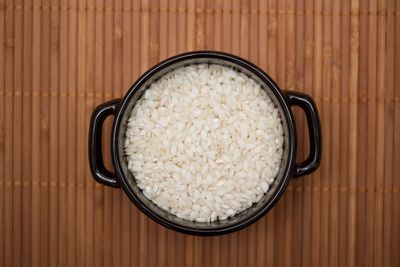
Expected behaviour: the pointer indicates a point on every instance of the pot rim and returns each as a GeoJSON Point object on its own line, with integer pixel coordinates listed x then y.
{"type": "Point", "coordinates": [281, 97]}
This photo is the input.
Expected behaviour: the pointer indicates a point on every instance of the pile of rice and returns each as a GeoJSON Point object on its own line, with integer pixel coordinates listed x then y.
{"type": "Point", "coordinates": [204, 142]}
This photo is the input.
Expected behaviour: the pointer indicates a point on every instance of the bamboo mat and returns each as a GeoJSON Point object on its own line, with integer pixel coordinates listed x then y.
{"type": "Point", "coordinates": [59, 59]}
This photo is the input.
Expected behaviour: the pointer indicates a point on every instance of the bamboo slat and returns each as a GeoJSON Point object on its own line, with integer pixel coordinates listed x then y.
{"type": "Point", "coordinates": [60, 59]}
{"type": "Point", "coordinates": [2, 135]}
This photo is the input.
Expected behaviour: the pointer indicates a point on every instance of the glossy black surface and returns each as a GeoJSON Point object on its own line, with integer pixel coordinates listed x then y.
{"type": "Point", "coordinates": [99, 171]}
{"type": "Point", "coordinates": [314, 129]}
{"type": "Point", "coordinates": [124, 178]}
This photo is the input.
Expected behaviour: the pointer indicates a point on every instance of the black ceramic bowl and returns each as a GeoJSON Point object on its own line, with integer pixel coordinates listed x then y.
{"type": "Point", "coordinates": [121, 108]}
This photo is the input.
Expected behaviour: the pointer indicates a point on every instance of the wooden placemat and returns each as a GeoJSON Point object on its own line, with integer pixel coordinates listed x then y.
{"type": "Point", "coordinates": [59, 59]}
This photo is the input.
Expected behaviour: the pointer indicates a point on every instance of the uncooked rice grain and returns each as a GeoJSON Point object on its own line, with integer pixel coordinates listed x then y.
{"type": "Point", "coordinates": [204, 142]}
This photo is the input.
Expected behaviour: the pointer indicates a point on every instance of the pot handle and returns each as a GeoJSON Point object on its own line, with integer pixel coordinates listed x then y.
{"type": "Point", "coordinates": [313, 160]}
{"type": "Point", "coordinates": [99, 171]}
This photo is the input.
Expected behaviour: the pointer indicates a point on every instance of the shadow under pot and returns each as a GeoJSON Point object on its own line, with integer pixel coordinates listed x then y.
{"type": "Point", "coordinates": [123, 178]}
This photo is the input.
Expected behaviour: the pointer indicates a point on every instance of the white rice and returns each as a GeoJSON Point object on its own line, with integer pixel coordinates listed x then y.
{"type": "Point", "coordinates": [204, 142]}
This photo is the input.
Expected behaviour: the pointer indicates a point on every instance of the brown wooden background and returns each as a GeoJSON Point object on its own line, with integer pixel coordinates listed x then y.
{"type": "Point", "coordinates": [59, 59]}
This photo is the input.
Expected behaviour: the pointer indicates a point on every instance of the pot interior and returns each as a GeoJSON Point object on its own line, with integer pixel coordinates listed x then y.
{"type": "Point", "coordinates": [162, 215]}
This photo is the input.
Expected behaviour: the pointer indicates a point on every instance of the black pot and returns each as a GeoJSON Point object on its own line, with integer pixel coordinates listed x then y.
{"type": "Point", "coordinates": [120, 109]}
